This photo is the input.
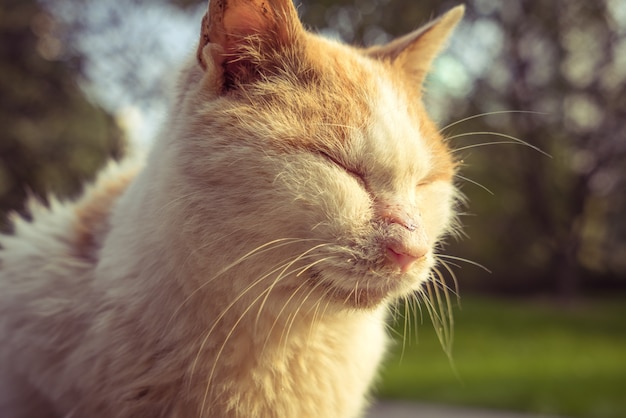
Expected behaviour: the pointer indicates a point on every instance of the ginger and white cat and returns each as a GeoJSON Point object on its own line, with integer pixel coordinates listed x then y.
{"type": "Point", "coordinates": [297, 189]}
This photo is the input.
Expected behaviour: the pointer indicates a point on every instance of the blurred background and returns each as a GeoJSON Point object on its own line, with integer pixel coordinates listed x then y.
{"type": "Point", "coordinates": [541, 326]}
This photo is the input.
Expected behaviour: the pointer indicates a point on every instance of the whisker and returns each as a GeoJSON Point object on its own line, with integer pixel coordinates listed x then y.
{"type": "Point", "coordinates": [263, 294]}
{"type": "Point", "coordinates": [464, 260]}
{"type": "Point", "coordinates": [284, 335]}
{"type": "Point", "coordinates": [475, 183]}
{"type": "Point", "coordinates": [295, 315]}
{"type": "Point", "coordinates": [405, 325]}
{"type": "Point", "coordinates": [271, 245]}
{"type": "Point", "coordinates": [439, 278]}
{"type": "Point", "coordinates": [447, 308]}
{"type": "Point", "coordinates": [302, 269]}
{"type": "Point", "coordinates": [412, 314]}
{"type": "Point", "coordinates": [430, 308]}
{"type": "Point", "coordinates": [395, 315]}
{"type": "Point", "coordinates": [442, 314]}
{"type": "Point", "coordinates": [395, 332]}
{"type": "Point", "coordinates": [316, 307]}
{"type": "Point", "coordinates": [219, 355]}
{"type": "Point", "coordinates": [480, 115]}
{"type": "Point", "coordinates": [393, 311]}
{"type": "Point", "coordinates": [513, 140]}
{"type": "Point", "coordinates": [454, 279]}
{"type": "Point", "coordinates": [228, 308]}
{"type": "Point", "coordinates": [484, 144]}
{"type": "Point", "coordinates": [324, 296]}
{"type": "Point", "coordinates": [347, 298]}
{"type": "Point", "coordinates": [298, 258]}
{"type": "Point", "coordinates": [417, 307]}
{"type": "Point", "coordinates": [435, 316]}
{"type": "Point", "coordinates": [230, 333]}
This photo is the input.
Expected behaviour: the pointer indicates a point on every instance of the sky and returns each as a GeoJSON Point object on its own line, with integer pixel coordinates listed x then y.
{"type": "Point", "coordinates": [127, 77]}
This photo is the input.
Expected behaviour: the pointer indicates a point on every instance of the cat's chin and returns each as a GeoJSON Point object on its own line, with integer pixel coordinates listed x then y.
{"type": "Point", "coordinates": [372, 291]}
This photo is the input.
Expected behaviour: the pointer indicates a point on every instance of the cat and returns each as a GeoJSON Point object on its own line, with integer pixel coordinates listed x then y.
{"type": "Point", "coordinates": [246, 269]}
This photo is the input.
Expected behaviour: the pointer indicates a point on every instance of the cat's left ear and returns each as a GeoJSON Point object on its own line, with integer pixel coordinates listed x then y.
{"type": "Point", "coordinates": [415, 52]}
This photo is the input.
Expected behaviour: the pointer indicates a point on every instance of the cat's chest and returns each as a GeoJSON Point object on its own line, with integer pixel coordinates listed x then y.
{"type": "Point", "coordinates": [305, 370]}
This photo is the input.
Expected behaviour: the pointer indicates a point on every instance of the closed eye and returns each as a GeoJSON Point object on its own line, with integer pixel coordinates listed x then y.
{"type": "Point", "coordinates": [356, 174]}
{"type": "Point", "coordinates": [434, 178]}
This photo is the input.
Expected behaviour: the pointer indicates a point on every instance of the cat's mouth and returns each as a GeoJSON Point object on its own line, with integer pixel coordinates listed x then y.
{"type": "Point", "coordinates": [360, 279]}
{"type": "Point", "coordinates": [368, 291]}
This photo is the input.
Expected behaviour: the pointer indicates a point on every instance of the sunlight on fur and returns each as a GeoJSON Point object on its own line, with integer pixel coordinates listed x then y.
{"type": "Point", "coordinates": [248, 267]}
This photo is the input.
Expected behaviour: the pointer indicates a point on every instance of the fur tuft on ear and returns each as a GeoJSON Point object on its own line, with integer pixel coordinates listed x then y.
{"type": "Point", "coordinates": [416, 51]}
{"type": "Point", "coordinates": [231, 29]}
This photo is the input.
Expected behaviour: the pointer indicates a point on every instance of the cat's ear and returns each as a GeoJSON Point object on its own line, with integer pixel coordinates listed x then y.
{"type": "Point", "coordinates": [237, 34]}
{"type": "Point", "coordinates": [415, 52]}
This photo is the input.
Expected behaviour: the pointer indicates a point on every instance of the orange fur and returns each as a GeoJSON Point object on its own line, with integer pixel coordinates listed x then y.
{"type": "Point", "coordinates": [93, 212]}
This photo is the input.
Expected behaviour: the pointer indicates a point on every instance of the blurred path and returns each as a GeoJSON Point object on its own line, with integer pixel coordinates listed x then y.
{"type": "Point", "coordinates": [392, 409]}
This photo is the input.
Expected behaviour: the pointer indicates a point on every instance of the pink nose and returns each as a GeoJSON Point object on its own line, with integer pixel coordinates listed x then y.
{"type": "Point", "coordinates": [405, 257]}
{"type": "Point", "coordinates": [407, 241]}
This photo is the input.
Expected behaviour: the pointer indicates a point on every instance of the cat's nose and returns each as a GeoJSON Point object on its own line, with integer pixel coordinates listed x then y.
{"type": "Point", "coordinates": [407, 241]}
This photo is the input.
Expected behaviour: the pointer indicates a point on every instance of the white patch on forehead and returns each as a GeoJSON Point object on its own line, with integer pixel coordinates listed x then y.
{"type": "Point", "coordinates": [396, 148]}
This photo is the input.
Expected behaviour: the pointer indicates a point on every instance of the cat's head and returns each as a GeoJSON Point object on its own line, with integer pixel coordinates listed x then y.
{"type": "Point", "coordinates": [315, 160]}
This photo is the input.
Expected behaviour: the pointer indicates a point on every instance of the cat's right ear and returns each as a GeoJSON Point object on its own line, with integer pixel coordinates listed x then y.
{"type": "Point", "coordinates": [414, 53]}
{"type": "Point", "coordinates": [238, 36]}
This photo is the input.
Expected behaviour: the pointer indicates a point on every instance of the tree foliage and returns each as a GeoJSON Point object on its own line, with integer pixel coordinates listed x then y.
{"type": "Point", "coordinates": [559, 220]}
{"type": "Point", "coordinates": [53, 138]}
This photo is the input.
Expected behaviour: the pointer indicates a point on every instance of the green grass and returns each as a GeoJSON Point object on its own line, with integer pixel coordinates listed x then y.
{"type": "Point", "coordinates": [518, 355]}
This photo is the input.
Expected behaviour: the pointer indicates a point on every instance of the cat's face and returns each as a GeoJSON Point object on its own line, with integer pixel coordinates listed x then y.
{"type": "Point", "coordinates": [322, 152]}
